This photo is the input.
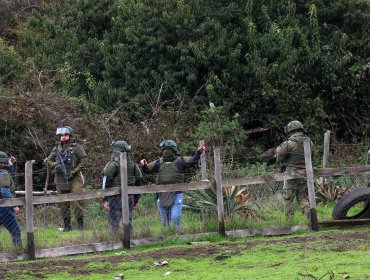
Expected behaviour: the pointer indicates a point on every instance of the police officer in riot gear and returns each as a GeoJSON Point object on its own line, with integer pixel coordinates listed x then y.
{"type": "Point", "coordinates": [170, 169]}
{"type": "Point", "coordinates": [291, 154]}
{"type": "Point", "coordinates": [67, 160]}
{"type": "Point", "coordinates": [112, 178]}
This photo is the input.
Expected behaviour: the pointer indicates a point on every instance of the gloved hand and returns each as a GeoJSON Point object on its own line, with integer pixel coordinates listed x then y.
{"type": "Point", "coordinates": [56, 166]}
{"type": "Point", "coordinates": [71, 174]}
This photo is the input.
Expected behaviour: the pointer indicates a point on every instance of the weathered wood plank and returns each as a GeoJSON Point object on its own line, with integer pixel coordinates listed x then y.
{"type": "Point", "coordinates": [266, 231]}
{"type": "Point", "coordinates": [341, 171]}
{"type": "Point", "coordinates": [262, 179]}
{"type": "Point", "coordinates": [78, 249]}
{"type": "Point", "coordinates": [124, 201]}
{"type": "Point", "coordinates": [113, 245]}
{"type": "Point", "coordinates": [29, 210]}
{"type": "Point", "coordinates": [310, 184]}
{"type": "Point", "coordinates": [188, 186]}
{"type": "Point", "coordinates": [37, 193]}
{"type": "Point", "coordinates": [170, 188]}
{"type": "Point", "coordinates": [203, 163]}
{"type": "Point", "coordinates": [325, 156]}
{"type": "Point", "coordinates": [220, 201]}
{"type": "Point", "coordinates": [8, 257]}
{"type": "Point", "coordinates": [344, 223]}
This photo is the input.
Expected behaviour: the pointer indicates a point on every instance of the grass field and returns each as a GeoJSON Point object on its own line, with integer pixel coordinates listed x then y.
{"type": "Point", "coordinates": [327, 254]}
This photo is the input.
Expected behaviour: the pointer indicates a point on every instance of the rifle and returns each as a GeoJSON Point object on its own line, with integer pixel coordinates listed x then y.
{"type": "Point", "coordinates": [283, 167]}
{"type": "Point", "coordinates": [60, 160]}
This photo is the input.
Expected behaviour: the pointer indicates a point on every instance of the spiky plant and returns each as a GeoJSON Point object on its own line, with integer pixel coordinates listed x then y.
{"type": "Point", "coordinates": [237, 200]}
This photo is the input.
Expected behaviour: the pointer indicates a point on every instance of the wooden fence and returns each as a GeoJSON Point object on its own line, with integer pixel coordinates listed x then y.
{"type": "Point", "coordinates": [29, 200]}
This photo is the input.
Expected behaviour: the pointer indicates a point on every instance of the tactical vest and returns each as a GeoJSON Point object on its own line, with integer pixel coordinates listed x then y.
{"type": "Point", "coordinates": [5, 179]}
{"type": "Point", "coordinates": [168, 173]}
{"type": "Point", "coordinates": [296, 157]}
{"type": "Point", "coordinates": [69, 157]}
{"type": "Point", "coordinates": [111, 170]}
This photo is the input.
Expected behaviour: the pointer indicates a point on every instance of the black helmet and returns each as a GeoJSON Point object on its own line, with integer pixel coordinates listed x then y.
{"type": "Point", "coordinates": [168, 144]}
{"type": "Point", "coordinates": [121, 146]}
{"type": "Point", "coordinates": [64, 129]}
{"type": "Point", "coordinates": [4, 158]}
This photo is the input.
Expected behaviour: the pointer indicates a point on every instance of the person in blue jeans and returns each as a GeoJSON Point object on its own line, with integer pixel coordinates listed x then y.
{"type": "Point", "coordinates": [8, 214]}
{"type": "Point", "coordinates": [170, 169]}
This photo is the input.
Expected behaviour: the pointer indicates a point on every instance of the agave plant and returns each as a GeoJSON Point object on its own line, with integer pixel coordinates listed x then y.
{"type": "Point", "coordinates": [237, 200]}
{"type": "Point", "coordinates": [326, 191]}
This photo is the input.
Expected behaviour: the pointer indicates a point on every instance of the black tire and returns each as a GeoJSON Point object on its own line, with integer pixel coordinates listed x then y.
{"type": "Point", "coordinates": [349, 200]}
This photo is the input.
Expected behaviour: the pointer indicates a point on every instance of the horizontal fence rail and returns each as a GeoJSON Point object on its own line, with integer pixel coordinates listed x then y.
{"type": "Point", "coordinates": [244, 181]}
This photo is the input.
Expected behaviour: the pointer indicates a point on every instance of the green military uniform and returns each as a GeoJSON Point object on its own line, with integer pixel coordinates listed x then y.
{"type": "Point", "coordinates": [291, 152]}
{"type": "Point", "coordinates": [134, 174]}
{"type": "Point", "coordinates": [113, 179]}
{"type": "Point", "coordinates": [74, 158]}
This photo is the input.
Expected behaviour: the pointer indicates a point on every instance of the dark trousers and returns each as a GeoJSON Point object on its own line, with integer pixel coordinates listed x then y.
{"type": "Point", "coordinates": [115, 211]}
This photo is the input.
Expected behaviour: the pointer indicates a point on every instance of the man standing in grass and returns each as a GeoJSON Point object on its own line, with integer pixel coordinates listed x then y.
{"type": "Point", "coordinates": [67, 160]}
{"type": "Point", "coordinates": [291, 154]}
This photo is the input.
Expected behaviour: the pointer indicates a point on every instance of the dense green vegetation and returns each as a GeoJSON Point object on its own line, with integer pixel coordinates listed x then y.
{"type": "Point", "coordinates": [148, 70]}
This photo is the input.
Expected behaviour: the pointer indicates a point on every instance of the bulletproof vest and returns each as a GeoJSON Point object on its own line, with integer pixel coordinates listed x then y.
{"type": "Point", "coordinates": [111, 170]}
{"type": "Point", "coordinates": [5, 179]}
{"type": "Point", "coordinates": [296, 157]}
{"type": "Point", "coordinates": [69, 157]}
{"type": "Point", "coordinates": [168, 172]}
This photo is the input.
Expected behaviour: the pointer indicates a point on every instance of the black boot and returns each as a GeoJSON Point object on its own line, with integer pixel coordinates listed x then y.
{"type": "Point", "coordinates": [67, 224]}
{"type": "Point", "coordinates": [80, 223]}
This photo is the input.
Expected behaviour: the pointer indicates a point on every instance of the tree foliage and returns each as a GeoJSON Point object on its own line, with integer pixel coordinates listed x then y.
{"type": "Point", "coordinates": [268, 61]}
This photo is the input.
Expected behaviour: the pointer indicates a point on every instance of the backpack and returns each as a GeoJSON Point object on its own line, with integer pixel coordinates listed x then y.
{"type": "Point", "coordinates": [110, 171]}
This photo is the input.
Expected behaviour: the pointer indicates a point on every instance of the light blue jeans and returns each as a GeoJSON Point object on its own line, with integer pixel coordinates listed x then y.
{"type": "Point", "coordinates": [171, 213]}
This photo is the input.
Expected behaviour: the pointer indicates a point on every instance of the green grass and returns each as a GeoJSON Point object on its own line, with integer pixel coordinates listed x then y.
{"type": "Point", "coordinates": [146, 223]}
{"type": "Point", "coordinates": [287, 257]}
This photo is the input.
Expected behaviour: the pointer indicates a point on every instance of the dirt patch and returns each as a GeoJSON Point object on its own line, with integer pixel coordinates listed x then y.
{"type": "Point", "coordinates": [342, 241]}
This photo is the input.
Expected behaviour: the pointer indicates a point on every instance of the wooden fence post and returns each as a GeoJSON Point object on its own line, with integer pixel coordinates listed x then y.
{"type": "Point", "coordinates": [29, 210]}
{"type": "Point", "coordinates": [220, 201]}
{"type": "Point", "coordinates": [325, 157]}
{"type": "Point", "coordinates": [310, 185]}
{"type": "Point", "coordinates": [203, 164]}
{"type": "Point", "coordinates": [125, 202]}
